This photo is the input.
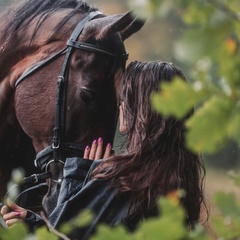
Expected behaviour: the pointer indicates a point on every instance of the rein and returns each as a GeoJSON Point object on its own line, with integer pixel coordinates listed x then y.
{"type": "Point", "coordinates": [52, 153]}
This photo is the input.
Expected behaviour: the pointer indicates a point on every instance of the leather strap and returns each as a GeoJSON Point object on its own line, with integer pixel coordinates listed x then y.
{"type": "Point", "coordinates": [88, 47]}
{"type": "Point", "coordinates": [39, 65]}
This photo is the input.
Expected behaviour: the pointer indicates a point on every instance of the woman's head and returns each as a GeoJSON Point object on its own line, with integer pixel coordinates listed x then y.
{"type": "Point", "coordinates": [138, 120]}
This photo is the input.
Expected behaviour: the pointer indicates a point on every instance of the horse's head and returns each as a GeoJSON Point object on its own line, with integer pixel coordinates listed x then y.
{"type": "Point", "coordinates": [93, 78]}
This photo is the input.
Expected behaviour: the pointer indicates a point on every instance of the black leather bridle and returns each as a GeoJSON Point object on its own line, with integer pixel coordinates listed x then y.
{"type": "Point", "coordinates": [51, 153]}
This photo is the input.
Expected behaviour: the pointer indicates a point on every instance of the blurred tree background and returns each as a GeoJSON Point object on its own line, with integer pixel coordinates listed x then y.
{"type": "Point", "coordinates": [4, 3]}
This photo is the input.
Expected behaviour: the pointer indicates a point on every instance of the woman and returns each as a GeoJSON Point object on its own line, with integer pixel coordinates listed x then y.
{"type": "Point", "coordinates": [125, 188]}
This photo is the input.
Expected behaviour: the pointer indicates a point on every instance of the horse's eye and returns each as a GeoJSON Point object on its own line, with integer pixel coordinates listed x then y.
{"type": "Point", "coordinates": [87, 96]}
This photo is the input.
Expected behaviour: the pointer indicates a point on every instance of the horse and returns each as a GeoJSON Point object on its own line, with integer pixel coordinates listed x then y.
{"type": "Point", "coordinates": [61, 63]}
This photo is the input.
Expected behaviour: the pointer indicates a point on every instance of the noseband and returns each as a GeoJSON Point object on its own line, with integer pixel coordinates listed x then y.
{"type": "Point", "coordinates": [52, 152]}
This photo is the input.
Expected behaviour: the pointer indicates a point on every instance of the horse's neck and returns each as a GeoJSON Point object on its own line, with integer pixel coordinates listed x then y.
{"type": "Point", "coordinates": [30, 45]}
{"type": "Point", "coordinates": [19, 52]}
{"type": "Point", "coordinates": [11, 69]}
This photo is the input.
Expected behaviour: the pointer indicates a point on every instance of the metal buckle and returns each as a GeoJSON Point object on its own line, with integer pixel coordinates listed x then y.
{"type": "Point", "coordinates": [46, 168]}
{"type": "Point", "coordinates": [55, 147]}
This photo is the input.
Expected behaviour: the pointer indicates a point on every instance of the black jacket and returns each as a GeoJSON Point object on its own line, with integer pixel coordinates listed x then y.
{"type": "Point", "coordinates": [79, 192]}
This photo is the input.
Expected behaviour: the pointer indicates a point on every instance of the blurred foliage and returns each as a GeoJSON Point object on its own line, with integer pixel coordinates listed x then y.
{"type": "Point", "coordinates": [170, 225]}
{"type": "Point", "coordinates": [208, 44]}
{"type": "Point", "coordinates": [226, 223]}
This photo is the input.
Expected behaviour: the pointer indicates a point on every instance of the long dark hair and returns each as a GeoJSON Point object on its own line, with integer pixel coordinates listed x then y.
{"type": "Point", "coordinates": [157, 161]}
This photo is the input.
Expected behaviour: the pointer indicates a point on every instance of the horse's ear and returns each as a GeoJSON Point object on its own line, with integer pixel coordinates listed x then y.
{"type": "Point", "coordinates": [134, 26]}
{"type": "Point", "coordinates": [125, 24]}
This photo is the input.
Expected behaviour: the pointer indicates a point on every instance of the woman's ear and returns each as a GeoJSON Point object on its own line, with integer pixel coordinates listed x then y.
{"type": "Point", "coordinates": [122, 119]}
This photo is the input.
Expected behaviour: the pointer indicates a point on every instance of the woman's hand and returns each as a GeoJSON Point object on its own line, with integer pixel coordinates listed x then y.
{"type": "Point", "coordinates": [96, 150]}
{"type": "Point", "coordinates": [17, 214]}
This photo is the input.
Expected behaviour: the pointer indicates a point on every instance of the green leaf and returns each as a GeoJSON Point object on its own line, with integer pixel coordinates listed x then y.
{"type": "Point", "coordinates": [18, 231]}
{"type": "Point", "coordinates": [207, 129]}
{"type": "Point", "coordinates": [81, 220]}
{"type": "Point", "coordinates": [176, 98]}
{"type": "Point", "coordinates": [104, 232]}
{"type": "Point", "coordinates": [43, 233]}
{"type": "Point", "coordinates": [172, 214]}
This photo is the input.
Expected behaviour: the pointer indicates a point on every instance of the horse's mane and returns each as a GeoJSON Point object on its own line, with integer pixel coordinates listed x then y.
{"type": "Point", "coordinates": [22, 14]}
